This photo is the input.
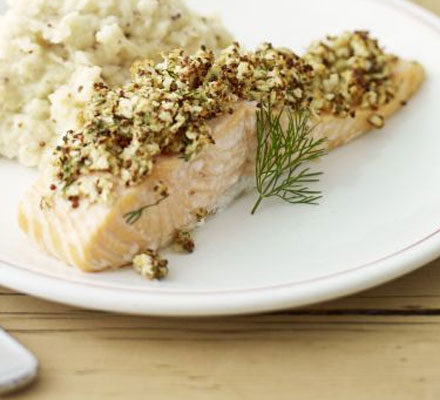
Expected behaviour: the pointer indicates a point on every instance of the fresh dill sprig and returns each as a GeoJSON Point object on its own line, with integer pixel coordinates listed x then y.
{"type": "Point", "coordinates": [134, 216]}
{"type": "Point", "coordinates": [285, 144]}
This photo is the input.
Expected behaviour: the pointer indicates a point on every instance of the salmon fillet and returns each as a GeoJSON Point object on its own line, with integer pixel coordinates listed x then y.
{"type": "Point", "coordinates": [96, 237]}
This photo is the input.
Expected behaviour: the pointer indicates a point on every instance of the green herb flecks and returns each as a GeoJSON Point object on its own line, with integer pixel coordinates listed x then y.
{"type": "Point", "coordinates": [285, 144]}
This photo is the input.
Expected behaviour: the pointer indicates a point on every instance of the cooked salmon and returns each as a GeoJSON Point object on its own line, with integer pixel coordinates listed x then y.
{"type": "Point", "coordinates": [96, 237]}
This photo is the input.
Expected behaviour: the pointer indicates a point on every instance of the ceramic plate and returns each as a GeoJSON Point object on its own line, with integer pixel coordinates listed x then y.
{"type": "Point", "coordinates": [379, 219]}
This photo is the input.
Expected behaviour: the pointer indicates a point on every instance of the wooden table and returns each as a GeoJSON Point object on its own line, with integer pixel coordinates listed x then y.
{"type": "Point", "coordinates": [383, 344]}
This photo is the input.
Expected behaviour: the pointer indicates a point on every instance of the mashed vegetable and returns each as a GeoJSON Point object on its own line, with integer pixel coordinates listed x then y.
{"type": "Point", "coordinates": [53, 51]}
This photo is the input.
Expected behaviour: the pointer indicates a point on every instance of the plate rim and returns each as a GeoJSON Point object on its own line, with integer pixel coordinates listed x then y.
{"type": "Point", "coordinates": [175, 303]}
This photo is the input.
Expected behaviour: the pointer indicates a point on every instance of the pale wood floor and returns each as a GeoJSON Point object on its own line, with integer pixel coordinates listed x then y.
{"type": "Point", "coordinates": [383, 344]}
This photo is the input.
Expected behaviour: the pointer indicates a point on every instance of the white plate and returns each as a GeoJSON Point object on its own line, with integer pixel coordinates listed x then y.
{"type": "Point", "coordinates": [379, 218]}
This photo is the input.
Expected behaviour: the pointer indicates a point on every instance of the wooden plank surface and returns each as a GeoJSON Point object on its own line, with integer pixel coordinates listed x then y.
{"type": "Point", "coordinates": [382, 344]}
{"type": "Point", "coordinates": [432, 5]}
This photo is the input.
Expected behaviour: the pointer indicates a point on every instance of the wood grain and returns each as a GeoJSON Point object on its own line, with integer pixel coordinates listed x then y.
{"type": "Point", "coordinates": [382, 344]}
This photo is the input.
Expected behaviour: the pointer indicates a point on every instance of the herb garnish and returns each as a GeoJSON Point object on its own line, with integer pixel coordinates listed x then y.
{"type": "Point", "coordinates": [134, 216]}
{"type": "Point", "coordinates": [161, 190]}
{"type": "Point", "coordinates": [282, 152]}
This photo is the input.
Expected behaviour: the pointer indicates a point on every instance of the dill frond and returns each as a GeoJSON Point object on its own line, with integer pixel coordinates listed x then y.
{"type": "Point", "coordinates": [285, 145]}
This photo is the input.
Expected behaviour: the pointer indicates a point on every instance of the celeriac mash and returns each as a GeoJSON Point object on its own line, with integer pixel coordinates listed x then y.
{"type": "Point", "coordinates": [53, 51]}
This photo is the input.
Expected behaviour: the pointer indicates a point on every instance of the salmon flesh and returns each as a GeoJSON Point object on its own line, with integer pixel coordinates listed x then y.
{"type": "Point", "coordinates": [96, 237]}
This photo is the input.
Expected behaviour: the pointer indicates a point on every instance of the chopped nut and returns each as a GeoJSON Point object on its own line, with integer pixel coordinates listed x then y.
{"type": "Point", "coordinates": [161, 189]}
{"type": "Point", "coordinates": [201, 214]}
{"type": "Point", "coordinates": [150, 265]}
{"type": "Point", "coordinates": [183, 242]}
{"type": "Point", "coordinates": [376, 120]}
{"type": "Point", "coordinates": [298, 93]}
